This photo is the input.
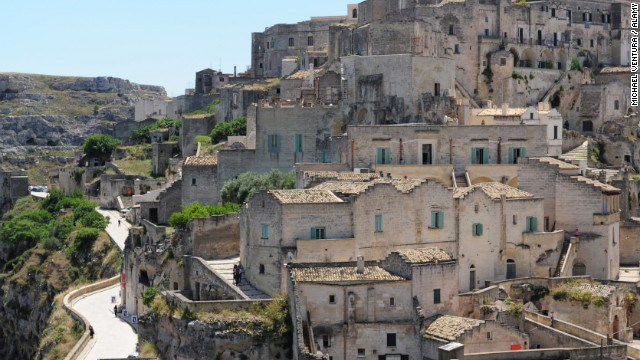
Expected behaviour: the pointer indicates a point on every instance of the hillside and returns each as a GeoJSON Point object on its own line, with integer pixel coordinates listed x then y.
{"type": "Point", "coordinates": [59, 111]}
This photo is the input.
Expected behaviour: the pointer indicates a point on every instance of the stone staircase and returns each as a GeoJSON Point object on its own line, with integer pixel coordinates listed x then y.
{"type": "Point", "coordinates": [563, 257]}
{"type": "Point", "coordinates": [577, 154]}
{"type": "Point", "coordinates": [461, 181]}
{"type": "Point", "coordinates": [224, 267]}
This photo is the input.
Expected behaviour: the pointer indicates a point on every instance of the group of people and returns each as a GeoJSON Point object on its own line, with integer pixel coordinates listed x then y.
{"type": "Point", "coordinates": [237, 274]}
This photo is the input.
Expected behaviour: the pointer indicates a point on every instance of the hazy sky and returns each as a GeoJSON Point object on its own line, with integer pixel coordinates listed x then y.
{"type": "Point", "coordinates": [155, 42]}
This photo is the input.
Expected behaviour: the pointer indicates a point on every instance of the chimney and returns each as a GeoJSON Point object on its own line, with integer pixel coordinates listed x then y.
{"type": "Point", "coordinates": [541, 106]}
{"type": "Point", "coordinates": [505, 107]}
{"type": "Point", "coordinates": [360, 268]}
{"type": "Point", "coordinates": [489, 104]}
{"type": "Point", "coordinates": [234, 71]}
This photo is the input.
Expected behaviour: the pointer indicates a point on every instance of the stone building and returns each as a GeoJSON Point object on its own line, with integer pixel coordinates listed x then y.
{"type": "Point", "coordinates": [192, 126]}
{"type": "Point", "coordinates": [199, 174]}
{"type": "Point", "coordinates": [15, 184]}
{"type": "Point", "coordinates": [574, 203]}
{"type": "Point", "coordinates": [161, 154]}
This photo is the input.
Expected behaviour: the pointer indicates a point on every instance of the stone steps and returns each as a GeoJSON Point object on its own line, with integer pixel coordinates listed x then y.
{"type": "Point", "coordinates": [224, 267]}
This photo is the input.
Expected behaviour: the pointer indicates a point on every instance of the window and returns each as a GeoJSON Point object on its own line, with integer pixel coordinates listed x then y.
{"type": "Point", "coordinates": [515, 219]}
{"type": "Point", "coordinates": [391, 340]}
{"type": "Point", "coordinates": [489, 336]}
{"type": "Point", "coordinates": [332, 299]}
{"type": "Point", "coordinates": [486, 32]}
{"type": "Point", "coordinates": [472, 277]}
{"type": "Point", "coordinates": [591, 43]}
{"type": "Point", "coordinates": [456, 49]}
{"type": "Point", "coordinates": [361, 353]}
{"type": "Point", "coordinates": [268, 45]}
{"type": "Point", "coordinates": [553, 12]}
{"type": "Point", "coordinates": [298, 142]}
{"type": "Point", "coordinates": [436, 296]}
{"type": "Point", "coordinates": [486, 19]}
{"type": "Point", "coordinates": [616, 105]}
{"type": "Point", "coordinates": [310, 40]}
{"type": "Point", "coordinates": [546, 223]}
{"type": "Point", "coordinates": [479, 155]}
{"type": "Point", "coordinates": [291, 41]}
{"type": "Point", "coordinates": [264, 231]}
{"type": "Point", "coordinates": [579, 41]}
{"type": "Point", "coordinates": [261, 269]}
{"type": "Point", "coordinates": [378, 223]}
{"type": "Point", "coordinates": [587, 126]}
{"type": "Point", "coordinates": [555, 132]}
{"type": "Point", "coordinates": [532, 224]}
{"type": "Point", "coordinates": [476, 208]}
{"type": "Point", "coordinates": [383, 156]}
{"type": "Point", "coordinates": [273, 143]}
{"type": "Point", "coordinates": [354, 13]}
{"type": "Point", "coordinates": [392, 301]}
{"type": "Point", "coordinates": [587, 17]}
{"type": "Point", "coordinates": [627, 158]}
{"type": "Point", "coordinates": [503, 61]}
{"type": "Point", "coordinates": [437, 220]}
{"type": "Point", "coordinates": [436, 89]}
{"type": "Point", "coordinates": [544, 8]}
{"type": "Point", "coordinates": [511, 269]}
{"type": "Point", "coordinates": [515, 153]}
{"type": "Point", "coordinates": [427, 154]}
{"type": "Point", "coordinates": [452, 29]}
{"type": "Point", "coordinates": [194, 182]}
{"type": "Point", "coordinates": [476, 229]}
{"type": "Point", "coordinates": [325, 157]}
{"type": "Point", "coordinates": [318, 233]}
{"type": "Point", "coordinates": [325, 341]}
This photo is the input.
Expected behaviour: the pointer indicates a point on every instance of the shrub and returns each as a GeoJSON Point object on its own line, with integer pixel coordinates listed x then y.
{"type": "Point", "coordinates": [532, 76]}
{"type": "Point", "coordinates": [204, 140]}
{"type": "Point", "coordinates": [212, 107]}
{"type": "Point", "coordinates": [540, 292]}
{"type": "Point", "coordinates": [149, 294]}
{"type": "Point", "coordinates": [100, 146]}
{"type": "Point", "coordinates": [575, 64]}
{"type": "Point", "coordinates": [241, 189]}
{"type": "Point", "coordinates": [180, 219]}
{"type": "Point", "coordinates": [237, 127]}
{"type": "Point", "coordinates": [560, 295]}
{"type": "Point", "coordinates": [599, 301]}
{"type": "Point", "coordinates": [516, 56]}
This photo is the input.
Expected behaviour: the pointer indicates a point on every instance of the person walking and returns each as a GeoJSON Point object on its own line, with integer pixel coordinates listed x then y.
{"type": "Point", "coordinates": [551, 319]}
{"type": "Point", "coordinates": [118, 222]}
{"type": "Point", "coordinates": [235, 275]}
{"type": "Point", "coordinates": [91, 332]}
{"type": "Point", "coordinates": [115, 310]}
{"type": "Point", "coordinates": [240, 272]}
{"type": "Point", "coordinates": [577, 233]}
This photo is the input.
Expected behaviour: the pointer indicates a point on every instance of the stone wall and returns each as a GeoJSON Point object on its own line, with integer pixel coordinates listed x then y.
{"type": "Point", "coordinates": [161, 154]}
{"type": "Point", "coordinates": [616, 352]}
{"type": "Point", "coordinates": [200, 183]}
{"type": "Point", "coordinates": [14, 184]}
{"type": "Point", "coordinates": [193, 126]}
{"type": "Point", "coordinates": [215, 237]}
{"type": "Point", "coordinates": [205, 284]}
{"type": "Point", "coordinates": [629, 240]}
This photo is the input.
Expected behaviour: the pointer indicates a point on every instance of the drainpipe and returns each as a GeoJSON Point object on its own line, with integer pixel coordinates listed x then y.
{"type": "Point", "coordinates": [344, 324]}
{"type": "Point", "coordinates": [400, 151]}
{"type": "Point", "coordinates": [352, 156]}
{"type": "Point", "coordinates": [499, 150]}
{"type": "Point", "coordinates": [450, 151]}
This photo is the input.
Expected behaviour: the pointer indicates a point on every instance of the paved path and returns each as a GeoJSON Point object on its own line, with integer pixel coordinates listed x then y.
{"type": "Point", "coordinates": [118, 232]}
{"type": "Point", "coordinates": [224, 267]}
{"type": "Point", "coordinates": [113, 338]}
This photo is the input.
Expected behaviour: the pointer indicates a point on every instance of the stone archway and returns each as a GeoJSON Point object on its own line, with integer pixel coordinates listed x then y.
{"type": "Point", "coordinates": [513, 182]}
{"type": "Point", "coordinates": [528, 58]}
{"type": "Point", "coordinates": [547, 59]}
{"type": "Point", "coordinates": [481, 179]}
{"type": "Point", "coordinates": [362, 115]}
{"type": "Point", "coordinates": [615, 327]}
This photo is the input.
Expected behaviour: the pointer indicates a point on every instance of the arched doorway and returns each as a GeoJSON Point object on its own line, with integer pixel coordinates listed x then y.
{"type": "Point", "coordinates": [528, 58]}
{"type": "Point", "coordinates": [511, 269]}
{"type": "Point", "coordinates": [472, 277]}
{"type": "Point", "coordinates": [615, 327]}
{"type": "Point", "coordinates": [587, 126]}
{"type": "Point", "coordinates": [579, 269]}
{"type": "Point", "coordinates": [362, 115]}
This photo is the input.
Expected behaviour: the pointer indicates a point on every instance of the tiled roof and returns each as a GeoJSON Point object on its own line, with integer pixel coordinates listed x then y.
{"type": "Point", "coordinates": [426, 255]}
{"type": "Point", "coordinates": [356, 187]}
{"type": "Point", "coordinates": [305, 196]}
{"type": "Point", "coordinates": [341, 273]}
{"type": "Point", "coordinates": [561, 164]}
{"type": "Point", "coordinates": [449, 327]}
{"type": "Point", "coordinates": [606, 188]}
{"type": "Point", "coordinates": [303, 74]}
{"type": "Point", "coordinates": [201, 161]}
{"type": "Point", "coordinates": [197, 116]}
{"type": "Point", "coordinates": [616, 69]}
{"type": "Point", "coordinates": [494, 190]}
{"type": "Point", "coordinates": [498, 112]}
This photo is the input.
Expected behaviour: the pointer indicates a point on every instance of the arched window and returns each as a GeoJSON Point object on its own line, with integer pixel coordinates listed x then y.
{"type": "Point", "coordinates": [579, 269]}
{"type": "Point", "coordinates": [511, 269]}
{"type": "Point", "coordinates": [354, 13]}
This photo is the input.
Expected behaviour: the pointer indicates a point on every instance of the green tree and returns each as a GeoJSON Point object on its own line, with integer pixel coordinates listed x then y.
{"type": "Point", "coordinates": [241, 189]}
{"type": "Point", "coordinates": [100, 146]}
{"type": "Point", "coordinates": [575, 64]}
{"type": "Point", "coordinates": [180, 219]}
{"type": "Point", "coordinates": [237, 127]}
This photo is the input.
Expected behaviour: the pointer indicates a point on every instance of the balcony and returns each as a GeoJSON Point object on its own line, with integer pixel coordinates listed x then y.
{"type": "Point", "coordinates": [606, 219]}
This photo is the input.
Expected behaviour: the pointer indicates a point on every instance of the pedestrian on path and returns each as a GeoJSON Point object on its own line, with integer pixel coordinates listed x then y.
{"type": "Point", "coordinates": [115, 310]}
{"type": "Point", "coordinates": [118, 222]}
{"type": "Point", "coordinates": [235, 275]}
{"type": "Point", "coordinates": [577, 233]}
{"type": "Point", "coordinates": [240, 272]}
{"type": "Point", "coordinates": [551, 319]}
{"type": "Point", "coordinates": [91, 332]}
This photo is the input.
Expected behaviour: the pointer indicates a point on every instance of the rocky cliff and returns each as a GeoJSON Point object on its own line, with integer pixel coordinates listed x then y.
{"type": "Point", "coordinates": [56, 110]}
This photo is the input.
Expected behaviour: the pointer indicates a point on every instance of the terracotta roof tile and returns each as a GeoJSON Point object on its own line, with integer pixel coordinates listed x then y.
{"type": "Point", "coordinates": [341, 274]}
{"type": "Point", "coordinates": [340, 175]}
{"type": "Point", "coordinates": [357, 187]}
{"type": "Point", "coordinates": [426, 255]}
{"type": "Point", "coordinates": [498, 112]}
{"type": "Point", "coordinates": [201, 161]}
{"type": "Point", "coordinates": [305, 196]}
{"type": "Point", "coordinates": [449, 327]}
{"type": "Point", "coordinates": [616, 69]}
{"type": "Point", "coordinates": [606, 188]}
{"type": "Point", "coordinates": [494, 190]}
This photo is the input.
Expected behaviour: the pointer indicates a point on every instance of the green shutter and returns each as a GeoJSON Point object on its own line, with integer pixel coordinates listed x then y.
{"type": "Point", "coordinates": [264, 231]}
{"type": "Point", "coordinates": [278, 142]}
{"type": "Point", "coordinates": [485, 159]}
{"type": "Point", "coordinates": [528, 225]}
{"type": "Point", "coordinates": [510, 155]}
{"type": "Point", "coordinates": [324, 157]}
{"type": "Point", "coordinates": [296, 145]}
{"type": "Point", "coordinates": [269, 143]}
{"type": "Point", "coordinates": [436, 296]}
{"type": "Point", "coordinates": [313, 234]}
{"type": "Point", "coordinates": [378, 223]}
{"type": "Point", "coordinates": [534, 224]}
{"type": "Point", "coordinates": [388, 156]}
{"type": "Point", "coordinates": [479, 229]}
{"type": "Point", "coordinates": [440, 220]}
{"type": "Point", "coordinates": [379, 156]}
{"type": "Point", "coordinates": [473, 229]}
{"type": "Point", "coordinates": [523, 152]}
{"type": "Point", "coordinates": [474, 160]}
{"type": "Point", "coordinates": [433, 219]}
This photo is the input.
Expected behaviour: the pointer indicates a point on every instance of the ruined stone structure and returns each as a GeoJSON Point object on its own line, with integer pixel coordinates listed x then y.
{"type": "Point", "coordinates": [15, 184]}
